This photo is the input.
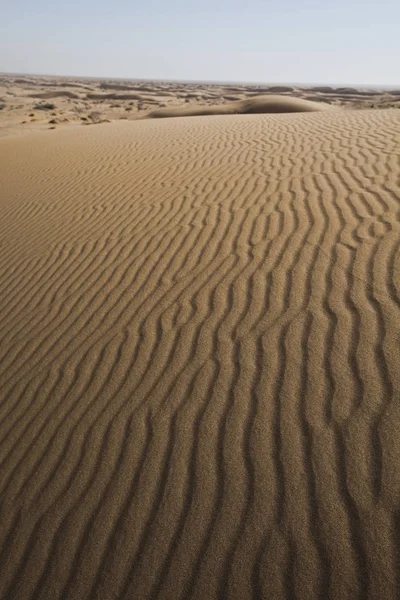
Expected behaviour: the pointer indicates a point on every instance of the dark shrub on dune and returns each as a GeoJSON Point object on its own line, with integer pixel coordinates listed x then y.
{"type": "Point", "coordinates": [45, 106]}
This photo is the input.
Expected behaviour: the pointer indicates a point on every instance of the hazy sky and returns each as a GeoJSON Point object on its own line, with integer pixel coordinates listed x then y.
{"type": "Point", "coordinates": [310, 41]}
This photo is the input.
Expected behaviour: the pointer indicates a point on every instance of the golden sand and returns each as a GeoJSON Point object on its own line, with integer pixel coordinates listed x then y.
{"type": "Point", "coordinates": [199, 370]}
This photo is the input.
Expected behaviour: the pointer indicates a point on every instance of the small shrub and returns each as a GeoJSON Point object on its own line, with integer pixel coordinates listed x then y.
{"type": "Point", "coordinates": [95, 117]}
{"type": "Point", "coordinates": [45, 106]}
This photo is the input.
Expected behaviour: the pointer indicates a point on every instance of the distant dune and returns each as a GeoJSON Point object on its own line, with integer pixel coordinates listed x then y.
{"type": "Point", "coordinates": [55, 94]}
{"type": "Point", "coordinates": [258, 104]}
{"type": "Point", "coordinates": [114, 100]}
{"type": "Point", "coordinates": [113, 96]}
{"type": "Point", "coordinates": [199, 358]}
{"type": "Point", "coordinates": [279, 89]}
{"type": "Point", "coordinates": [117, 87]}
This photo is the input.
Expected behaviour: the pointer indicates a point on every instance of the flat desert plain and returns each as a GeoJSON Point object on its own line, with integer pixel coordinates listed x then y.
{"type": "Point", "coordinates": [200, 349]}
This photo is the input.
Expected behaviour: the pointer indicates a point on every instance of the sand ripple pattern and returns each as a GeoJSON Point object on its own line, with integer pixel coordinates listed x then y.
{"type": "Point", "coordinates": [199, 359]}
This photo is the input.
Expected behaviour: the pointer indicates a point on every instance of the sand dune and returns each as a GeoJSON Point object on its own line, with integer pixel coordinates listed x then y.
{"type": "Point", "coordinates": [258, 104]}
{"type": "Point", "coordinates": [40, 83]}
{"type": "Point", "coordinates": [54, 94]}
{"type": "Point", "coordinates": [136, 87]}
{"type": "Point", "coordinates": [279, 89]}
{"type": "Point", "coordinates": [199, 372]}
{"type": "Point", "coordinates": [116, 86]}
{"type": "Point", "coordinates": [113, 96]}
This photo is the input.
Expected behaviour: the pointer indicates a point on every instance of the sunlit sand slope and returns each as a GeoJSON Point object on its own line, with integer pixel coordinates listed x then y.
{"type": "Point", "coordinates": [259, 104]}
{"type": "Point", "coordinates": [199, 359]}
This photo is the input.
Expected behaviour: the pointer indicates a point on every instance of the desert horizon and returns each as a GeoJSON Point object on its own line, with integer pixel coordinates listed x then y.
{"type": "Point", "coordinates": [148, 79]}
{"type": "Point", "coordinates": [34, 103]}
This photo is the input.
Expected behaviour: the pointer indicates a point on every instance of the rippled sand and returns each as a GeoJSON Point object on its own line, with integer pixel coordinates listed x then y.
{"type": "Point", "coordinates": [199, 359]}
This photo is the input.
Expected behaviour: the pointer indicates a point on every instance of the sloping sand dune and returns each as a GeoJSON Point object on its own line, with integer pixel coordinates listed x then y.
{"type": "Point", "coordinates": [256, 105]}
{"type": "Point", "coordinates": [199, 373]}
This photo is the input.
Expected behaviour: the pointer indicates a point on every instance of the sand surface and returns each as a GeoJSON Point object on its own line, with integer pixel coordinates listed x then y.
{"type": "Point", "coordinates": [199, 370]}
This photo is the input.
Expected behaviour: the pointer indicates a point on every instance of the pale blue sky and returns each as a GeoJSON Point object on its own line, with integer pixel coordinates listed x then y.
{"type": "Point", "coordinates": [310, 41]}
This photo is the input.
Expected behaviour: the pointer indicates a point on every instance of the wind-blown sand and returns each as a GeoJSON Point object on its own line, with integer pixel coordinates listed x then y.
{"type": "Point", "coordinates": [199, 374]}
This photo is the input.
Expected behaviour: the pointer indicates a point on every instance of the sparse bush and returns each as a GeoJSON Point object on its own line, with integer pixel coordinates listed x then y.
{"type": "Point", "coordinates": [95, 117]}
{"type": "Point", "coordinates": [45, 106]}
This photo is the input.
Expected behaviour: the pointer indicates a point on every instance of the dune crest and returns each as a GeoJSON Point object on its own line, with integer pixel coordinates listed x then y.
{"type": "Point", "coordinates": [199, 359]}
{"type": "Point", "coordinates": [256, 105]}
{"type": "Point", "coordinates": [54, 94]}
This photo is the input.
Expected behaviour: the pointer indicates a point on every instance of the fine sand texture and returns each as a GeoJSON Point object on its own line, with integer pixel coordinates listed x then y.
{"type": "Point", "coordinates": [199, 359]}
